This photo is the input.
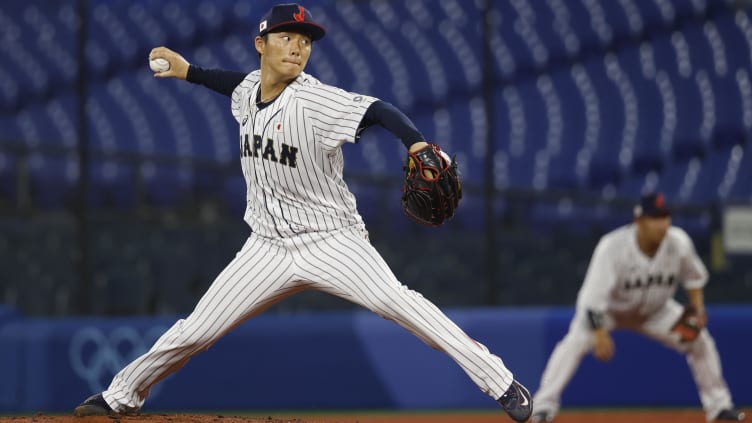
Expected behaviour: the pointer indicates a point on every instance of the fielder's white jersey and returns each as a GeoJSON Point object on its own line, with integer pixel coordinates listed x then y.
{"type": "Point", "coordinates": [621, 278]}
{"type": "Point", "coordinates": [291, 155]}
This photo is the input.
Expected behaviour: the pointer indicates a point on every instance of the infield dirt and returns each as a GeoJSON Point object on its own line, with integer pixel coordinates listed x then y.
{"type": "Point", "coordinates": [599, 416]}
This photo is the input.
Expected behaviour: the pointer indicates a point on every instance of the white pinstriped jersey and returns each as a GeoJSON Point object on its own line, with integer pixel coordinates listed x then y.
{"type": "Point", "coordinates": [636, 292]}
{"type": "Point", "coordinates": [620, 278]}
{"type": "Point", "coordinates": [291, 155]}
{"type": "Point", "coordinates": [306, 235]}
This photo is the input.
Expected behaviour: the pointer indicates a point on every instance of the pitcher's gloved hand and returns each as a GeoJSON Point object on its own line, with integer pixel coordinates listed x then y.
{"type": "Point", "coordinates": [432, 188]}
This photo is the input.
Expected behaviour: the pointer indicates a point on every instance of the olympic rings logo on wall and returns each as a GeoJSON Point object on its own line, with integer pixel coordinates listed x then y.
{"type": "Point", "coordinates": [96, 355]}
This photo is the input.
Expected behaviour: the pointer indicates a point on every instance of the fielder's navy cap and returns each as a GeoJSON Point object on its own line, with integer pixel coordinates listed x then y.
{"type": "Point", "coordinates": [653, 205]}
{"type": "Point", "coordinates": [293, 17]}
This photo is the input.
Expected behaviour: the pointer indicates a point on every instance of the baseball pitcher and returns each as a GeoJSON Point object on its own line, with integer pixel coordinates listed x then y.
{"type": "Point", "coordinates": [306, 230]}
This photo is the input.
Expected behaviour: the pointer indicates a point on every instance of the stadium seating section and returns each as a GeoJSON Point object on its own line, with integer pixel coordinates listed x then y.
{"type": "Point", "coordinates": [607, 98]}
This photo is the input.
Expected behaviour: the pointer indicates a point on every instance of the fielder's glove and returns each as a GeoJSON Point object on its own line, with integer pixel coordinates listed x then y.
{"type": "Point", "coordinates": [687, 326]}
{"type": "Point", "coordinates": [431, 200]}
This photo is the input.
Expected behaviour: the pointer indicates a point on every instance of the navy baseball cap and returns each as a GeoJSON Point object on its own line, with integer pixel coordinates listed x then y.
{"type": "Point", "coordinates": [292, 17]}
{"type": "Point", "coordinates": [652, 205]}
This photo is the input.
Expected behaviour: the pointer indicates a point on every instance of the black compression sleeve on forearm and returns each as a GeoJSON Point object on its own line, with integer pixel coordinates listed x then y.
{"type": "Point", "coordinates": [393, 120]}
{"type": "Point", "coordinates": [219, 80]}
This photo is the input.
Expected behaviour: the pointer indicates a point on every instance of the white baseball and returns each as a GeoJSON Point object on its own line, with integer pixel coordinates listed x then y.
{"type": "Point", "coordinates": [159, 65]}
{"type": "Point", "coordinates": [445, 156]}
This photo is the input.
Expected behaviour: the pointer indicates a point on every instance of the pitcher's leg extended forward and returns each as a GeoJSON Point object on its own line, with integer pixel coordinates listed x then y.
{"type": "Point", "coordinates": [348, 266]}
{"type": "Point", "coordinates": [254, 280]}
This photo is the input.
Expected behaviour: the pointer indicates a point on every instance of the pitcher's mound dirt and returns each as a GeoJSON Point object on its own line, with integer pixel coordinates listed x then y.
{"type": "Point", "coordinates": [587, 416]}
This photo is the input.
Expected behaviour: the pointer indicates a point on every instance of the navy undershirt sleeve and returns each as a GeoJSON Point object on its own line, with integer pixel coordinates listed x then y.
{"type": "Point", "coordinates": [219, 80]}
{"type": "Point", "coordinates": [393, 120]}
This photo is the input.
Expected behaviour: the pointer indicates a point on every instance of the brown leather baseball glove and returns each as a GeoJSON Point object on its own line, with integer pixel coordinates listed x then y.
{"type": "Point", "coordinates": [687, 326]}
{"type": "Point", "coordinates": [432, 188]}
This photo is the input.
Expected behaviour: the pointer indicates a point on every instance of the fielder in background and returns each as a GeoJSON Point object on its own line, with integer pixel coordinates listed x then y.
{"type": "Point", "coordinates": [630, 284]}
{"type": "Point", "coordinates": [306, 230]}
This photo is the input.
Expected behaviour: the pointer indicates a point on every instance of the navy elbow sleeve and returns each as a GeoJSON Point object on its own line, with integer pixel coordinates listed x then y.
{"type": "Point", "coordinates": [221, 81]}
{"type": "Point", "coordinates": [393, 120]}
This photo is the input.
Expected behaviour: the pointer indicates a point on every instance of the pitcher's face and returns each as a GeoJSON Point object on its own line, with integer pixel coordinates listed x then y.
{"type": "Point", "coordinates": [285, 54]}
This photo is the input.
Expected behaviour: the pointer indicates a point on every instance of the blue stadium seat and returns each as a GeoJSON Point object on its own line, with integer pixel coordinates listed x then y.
{"type": "Point", "coordinates": [562, 169]}
{"type": "Point", "coordinates": [648, 17]}
{"type": "Point", "coordinates": [54, 43]}
{"type": "Point", "coordinates": [604, 171]}
{"type": "Point", "coordinates": [552, 22]}
{"type": "Point", "coordinates": [598, 15]}
{"type": "Point", "coordinates": [53, 181]}
{"type": "Point", "coordinates": [664, 54]}
{"type": "Point", "coordinates": [104, 127]}
{"type": "Point", "coordinates": [582, 25]}
{"type": "Point", "coordinates": [426, 60]}
{"type": "Point", "coordinates": [405, 62]}
{"type": "Point", "coordinates": [741, 189]}
{"type": "Point", "coordinates": [673, 177]}
{"type": "Point", "coordinates": [730, 28]}
{"type": "Point", "coordinates": [728, 136]}
{"type": "Point", "coordinates": [109, 26]}
{"type": "Point", "coordinates": [622, 18]}
{"type": "Point", "coordinates": [147, 30]}
{"type": "Point", "coordinates": [611, 112]}
{"type": "Point", "coordinates": [693, 9]}
{"type": "Point", "coordinates": [700, 50]}
{"type": "Point", "coordinates": [168, 118]}
{"type": "Point", "coordinates": [507, 19]}
{"type": "Point", "coordinates": [130, 120]}
{"type": "Point", "coordinates": [62, 116]}
{"type": "Point", "coordinates": [20, 63]}
{"type": "Point", "coordinates": [520, 171]}
{"type": "Point", "coordinates": [112, 185]}
{"type": "Point", "coordinates": [167, 185]}
{"type": "Point", "coordinates": [729, 107]}
{"type": "Point", "coordinates": [648, 152]}
{"type": "Point", "coordinates": [461, 130]}
{"type": "Point", "coordinates": [688, 142]}
{"type": "Point", "coordinates": [37, 129]}
{"type": "Point", "coordinates": [208, 17]}
{"type": "Point", "coordinates": [651, 143]}
{"type": "Point", "coordinates": [711, 175]}
{"type": "Point", "coordinates": [536, 116]}
{"type": "Point", "coordinates": [635, 184]}
{"type": "Point", "coordinates": [388, 63]}
{"type": "Point", "coordinates": [9, 90]}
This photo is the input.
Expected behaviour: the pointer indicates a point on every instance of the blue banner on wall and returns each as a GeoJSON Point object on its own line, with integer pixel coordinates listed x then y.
{"type": "Point", "coordinates": [347, 360]}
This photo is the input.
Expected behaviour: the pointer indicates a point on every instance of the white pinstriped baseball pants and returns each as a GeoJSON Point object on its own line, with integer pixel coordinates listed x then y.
{"type": "Point", "coordinates": [702, 357]}
{"type": "Point", "coordinates": [265, 271]}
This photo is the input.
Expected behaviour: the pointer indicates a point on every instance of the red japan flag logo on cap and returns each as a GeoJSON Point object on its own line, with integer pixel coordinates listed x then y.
{"type": "Point", "coordinates": [659, 201]}
{"type": "Point", "coordinates": [300, 16]}
{"type": "Point", "coordinates": [262, 26]}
